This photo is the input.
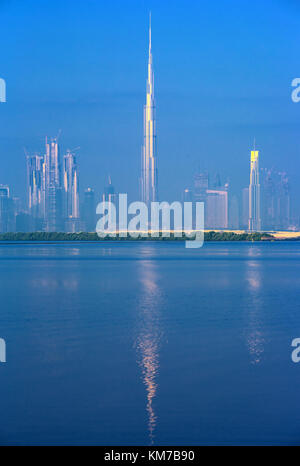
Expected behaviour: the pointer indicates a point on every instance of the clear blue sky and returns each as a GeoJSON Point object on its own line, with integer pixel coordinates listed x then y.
{"type": "Point", "coordinates": [223, 73]}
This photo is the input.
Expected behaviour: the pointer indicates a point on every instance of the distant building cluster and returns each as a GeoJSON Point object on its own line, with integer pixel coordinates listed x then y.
{"type": "Point", "coordinates": [264, 205]}
{"type": "Point", "coordinates": [53, 190]}
{"type": "Point", "coordinates": [53, 202]}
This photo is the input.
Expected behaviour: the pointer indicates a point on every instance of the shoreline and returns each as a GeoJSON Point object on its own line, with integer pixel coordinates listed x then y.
{"type": "Point", "coordinates": [209, 236]}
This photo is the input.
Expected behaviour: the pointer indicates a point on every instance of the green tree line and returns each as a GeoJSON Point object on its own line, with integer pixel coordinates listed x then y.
{"type": "Point", "coordinates": [84, 236]}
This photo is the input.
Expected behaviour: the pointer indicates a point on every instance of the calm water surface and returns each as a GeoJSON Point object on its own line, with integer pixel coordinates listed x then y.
{"type": "Point", "coordinates": [149, 343]}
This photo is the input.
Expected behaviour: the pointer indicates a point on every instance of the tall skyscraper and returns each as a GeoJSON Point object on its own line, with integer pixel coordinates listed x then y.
{"type": "Point", "coordinates": [52, 160]}
{"type": "Point", "coordinates": [149, 162]}
{"type": "Point", "coordinates": [111, 196]}
{"type": "Point", "coordinates": [7, 217]}
{"type": "Point", "coordinates": [71, 193]}
{"type": "Point", "coordinates": [268, 200]}
{"type": "Point", "coordinates": [284, 203]}
{"type": "Point", "coordinates": [71, 186]}
{"type": "Point", "coordinates": [36, 187]}
{"type": "Point", "coordinates": [53, 189]}
{"type": "Point", "coordinates": [216, 208]}
{"type": "Point", "coordinates": [254, 193]}
{"type": "Point", "coordinates": [275, 202]}
{"type": "Point", "coordinates": [89, 210]}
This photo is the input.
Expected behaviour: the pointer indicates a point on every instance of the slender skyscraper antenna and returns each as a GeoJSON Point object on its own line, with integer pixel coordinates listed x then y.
{"type": "Point", "coordinates": [150, 31]}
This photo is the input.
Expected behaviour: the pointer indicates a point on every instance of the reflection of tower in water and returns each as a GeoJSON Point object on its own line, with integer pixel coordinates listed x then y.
{"type": "Point", "coordinates": [149, 336]}
{"type": "Point", "coordinates": [255, 338]}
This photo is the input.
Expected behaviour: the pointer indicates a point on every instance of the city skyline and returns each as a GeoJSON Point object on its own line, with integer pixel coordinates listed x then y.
{"type": "Point", "coordinates": [214, 92]}
{"type": "Point", "coordinates": [54, 185]}
{"type": "Point", "coordinates": [54, 202]}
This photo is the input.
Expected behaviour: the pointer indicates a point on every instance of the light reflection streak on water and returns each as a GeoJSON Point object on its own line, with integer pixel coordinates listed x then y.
{"type": "Point", "coordinates": [255, 338]}
{"type": "Point", "coordinates": [149, 337]}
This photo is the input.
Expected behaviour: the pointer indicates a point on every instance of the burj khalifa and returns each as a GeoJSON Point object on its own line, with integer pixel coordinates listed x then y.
{"type": "Point", "coordinates": [149, 162]}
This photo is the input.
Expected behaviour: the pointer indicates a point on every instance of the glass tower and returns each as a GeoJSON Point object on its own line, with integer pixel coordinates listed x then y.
{"type": "Point", "coordinates": [149, 168]}
{"type": "Point", "coordinates": [254, 193]}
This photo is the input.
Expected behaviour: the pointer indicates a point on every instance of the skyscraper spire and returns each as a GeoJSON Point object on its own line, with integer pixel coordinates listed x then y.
{"type": "Point", "coordinates": [149, 32]}
{"type": "Point", "coordinates": [150, 81]}
{"type": "Point", "coordinates": [149, 168]}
